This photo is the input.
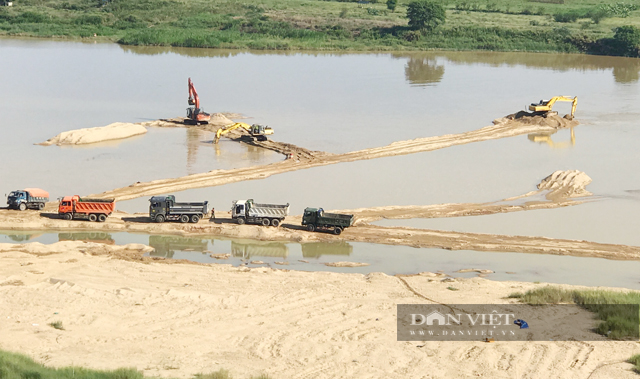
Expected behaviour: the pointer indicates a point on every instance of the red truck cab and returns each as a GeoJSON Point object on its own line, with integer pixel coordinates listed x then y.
{"type": "Point", "coordinates": [66, 204]}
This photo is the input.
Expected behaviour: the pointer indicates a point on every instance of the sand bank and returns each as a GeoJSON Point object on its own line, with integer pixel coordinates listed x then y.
{"type": "Point", "coordinates": [304, 158]}
{"type": "Point", "coordinates": [180, 319]}
{"type": "Point", "coordinates": [117, 130]}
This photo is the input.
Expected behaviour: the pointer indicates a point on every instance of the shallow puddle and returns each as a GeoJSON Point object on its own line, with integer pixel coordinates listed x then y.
{"type": "Point", "coordinates": [381, 258]}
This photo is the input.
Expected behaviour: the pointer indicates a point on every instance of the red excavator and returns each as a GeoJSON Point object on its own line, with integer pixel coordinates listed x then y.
{"type": "Point", "coordinates": [195, 114]}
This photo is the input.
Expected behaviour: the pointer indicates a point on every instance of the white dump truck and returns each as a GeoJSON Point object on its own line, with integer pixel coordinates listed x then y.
{"type": "Point", "coordinates": [248, 211]}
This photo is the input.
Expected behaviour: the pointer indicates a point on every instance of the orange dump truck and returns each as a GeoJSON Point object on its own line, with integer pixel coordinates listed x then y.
{"type": "Point", "coordinates": [86, 209]}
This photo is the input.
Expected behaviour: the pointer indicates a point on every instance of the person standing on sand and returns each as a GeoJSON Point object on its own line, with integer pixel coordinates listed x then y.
{"type": "Point", "coordinates": [213, 215]}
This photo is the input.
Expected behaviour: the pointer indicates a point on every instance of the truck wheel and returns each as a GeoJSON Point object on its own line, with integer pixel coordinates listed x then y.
{"type": "Point", "coordinates": [337, 230]}
{"type": "Point", "coordinates": [22, 207]}
{"type": "Point", "coordinates": [311, 227]}
{"type": "Point", "coordinates": [159, 219]}
{"type": "Point", "coordinates": [184, 219]}
{"type": "Point", "coordinates": [93, 217]}
{"type": "Point", "coordinates": [67, 216]}
{"type": "Point", "coordinates": [241, 220]}
{"type": "Point", "coordinates": [40, 206]}
{"type": "Point", "coordinates": [265, 222]}
{"type": "Point", "coordinates": [275, 222]}
{"type": "Point", "coordinates": [195, 219]}
{"type": "Point", "coordinates": [102, 218]}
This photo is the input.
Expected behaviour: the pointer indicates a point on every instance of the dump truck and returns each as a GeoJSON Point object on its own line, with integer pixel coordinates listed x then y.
{"type": "Point", "coordinates": [165, 208]}
{"type": "Point", "coordinates": [76, 207]}
{"type": "Point", "coordinates": [248, 211]}
{"type": "Point", "coordinates": [316, 218]}
{"type": "Point", "coordinates": [28, 198]}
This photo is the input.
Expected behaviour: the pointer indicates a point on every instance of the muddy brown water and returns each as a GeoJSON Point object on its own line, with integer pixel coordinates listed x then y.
{"type": "Point", "coordinates": [381, 258]}
{"type": "Point", "coordinates": [331, 102]}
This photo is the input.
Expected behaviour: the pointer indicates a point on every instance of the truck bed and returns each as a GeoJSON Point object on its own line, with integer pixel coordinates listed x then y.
{"type": "Point", "coordinates": [183, 208]}
{"type": "Point", "coordinates": [335, 219]}
{"type": "Point", "coordinates": [337, 216]}
{"type": "Point", "coordinates": [95, 207]}
{"type": "Point", "coordinates": [269, 210]}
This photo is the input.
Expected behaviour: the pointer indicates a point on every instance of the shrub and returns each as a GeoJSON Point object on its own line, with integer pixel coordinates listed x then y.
{"type": "Point", "coordinates": [30, 18]}
{"type": "Point", "coordinates": [412, 35]}
{"type": "Point", "coordinates": [635, 360]}
{"type": "Point", "coordinates": [391, 5]}
{"type": "Point", "coordinates": [627, 40]}
{"type": "Point", "coordinates": [57, 325]}
{"type": "Point", "coordinates": [88, 20]}
{"type": "Point", "coordinates": [570, 16]}
{"type": "Point", "coordinates": [425, 14]}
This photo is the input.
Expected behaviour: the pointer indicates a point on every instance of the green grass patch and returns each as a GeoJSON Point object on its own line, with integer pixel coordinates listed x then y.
{"type": "Point", "coordinates": [635, 360]}
{"type": "Point", "coordinates": [19, 366]}
{"type": "Point", "coordinates": [614, 324]}
{"type": "Point", "coordinates": [500, 25]}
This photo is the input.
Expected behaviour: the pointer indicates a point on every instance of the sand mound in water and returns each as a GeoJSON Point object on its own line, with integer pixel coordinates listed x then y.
{"type": "Point", "coordinates": [117, 130]}
{"type": "Point", "coordinates": [219, 119]}
{"type": "Point", "coordinates": [527, 118]}
{"type": "Point", "coordinates": [568, 183]}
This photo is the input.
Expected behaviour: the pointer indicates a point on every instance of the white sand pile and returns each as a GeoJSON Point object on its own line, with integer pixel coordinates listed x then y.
{"type": "Point", "coordinates": [117, 130]}
{"type": "Point", "coordinates": [570, 183]}
{"type": "Point", "coordinates": [219, 119]}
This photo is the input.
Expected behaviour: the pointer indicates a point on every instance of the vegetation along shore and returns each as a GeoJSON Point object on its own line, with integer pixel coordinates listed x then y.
{"type": "Point", "coordinates": [575, 26]}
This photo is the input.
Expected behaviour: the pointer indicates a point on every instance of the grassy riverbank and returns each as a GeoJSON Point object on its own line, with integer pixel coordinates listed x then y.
{"type": "Point", "coordinates": [541, 25]}
{"type": "Point", "coordinates": [19, 366]}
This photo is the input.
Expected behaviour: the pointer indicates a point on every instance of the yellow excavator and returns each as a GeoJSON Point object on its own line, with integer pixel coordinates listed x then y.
{"type": "Point", "coordinates": [544, 106]}
{"type": "Point", "coordinates": [257, 132]}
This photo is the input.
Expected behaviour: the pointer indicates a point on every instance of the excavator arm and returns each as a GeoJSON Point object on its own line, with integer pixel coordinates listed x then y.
{"type": "Point", "coordinates": [193, 95]}
{"type": "Point", "coordinates": [229, 128]}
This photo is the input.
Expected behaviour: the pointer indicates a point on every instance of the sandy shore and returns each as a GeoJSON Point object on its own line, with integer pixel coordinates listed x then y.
{"type": "Point", "coordinates": [571, 183]}
{"type": "Point", "coordinates": [176, 320]}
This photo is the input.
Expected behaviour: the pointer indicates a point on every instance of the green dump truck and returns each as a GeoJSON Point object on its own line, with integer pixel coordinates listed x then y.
{"type": "Point", "coordinates": [316, 218]}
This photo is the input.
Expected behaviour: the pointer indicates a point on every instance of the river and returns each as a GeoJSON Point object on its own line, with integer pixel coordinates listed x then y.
{"type": "Point", "coordinates": [333, 102]}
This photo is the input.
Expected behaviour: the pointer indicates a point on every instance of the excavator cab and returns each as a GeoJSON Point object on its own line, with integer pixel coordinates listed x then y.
{"type": "Point", "coordinates": [260, 132]}
{"type": "Point", "coordinates": [544, 107]}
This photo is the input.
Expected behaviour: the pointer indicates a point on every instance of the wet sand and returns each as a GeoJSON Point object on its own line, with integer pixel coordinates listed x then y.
{"type": "Point", "coordinates": [176, 320]}
{"type": "Point", "coordinates": [304, 158]}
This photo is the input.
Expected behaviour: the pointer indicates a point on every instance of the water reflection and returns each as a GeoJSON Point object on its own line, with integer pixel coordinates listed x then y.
{"type": "Point", "coordinates": [19, 237]}
{"type": "Point", "coordinates": [627, 74]}
{"type": "Point", "coordinates": [97, 237]}
{"type": "Point", "coordinates": [422, 68]}
{"type": "Point", "coordinates": [423, 71]}
{"type": "Point", "coordinates": [318, 249]}
{"type": "Point", "coordinates": [625, 70]}
{"type": "Point", "coordinates": [546, 138]}
{"type": "Point", "coordinates": [167, 246]}
{"type": "Point", "coordinates": [251, 249]}
{"type": "Point", "coordinates": [193, 142]}
{"type": "Point", "coordinates": [185, 51]}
